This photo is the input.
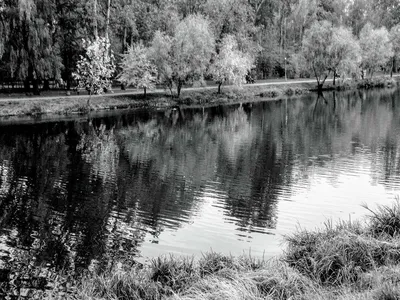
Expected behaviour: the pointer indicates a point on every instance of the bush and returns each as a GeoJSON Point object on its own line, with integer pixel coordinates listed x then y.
{"type": "Point", "coordinates": [376, 82]}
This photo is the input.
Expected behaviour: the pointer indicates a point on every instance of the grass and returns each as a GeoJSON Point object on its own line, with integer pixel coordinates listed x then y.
{"type": "Point", "coordinates": [73, 105]}
{"type": "Point", "coordinates": [347, 260]}
{"type": "Point", "coordinates": [64, 105]}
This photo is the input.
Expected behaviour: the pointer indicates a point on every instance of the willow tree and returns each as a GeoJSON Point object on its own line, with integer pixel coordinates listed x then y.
{"type": "Point", "coordinates": [344, 53]}
{"type": "Point", "coordinates": [376, 49]}
{"type": "Point", "coordinates": [315, 49]}
{"type": "Point", "coordinates": [230, 64]}
{"type": "Point", "coordinates": [395, 41]}
{"type": "Point", "coordinates": [183, 58]}
{"type": "Point", "coordinates": [31, 47]}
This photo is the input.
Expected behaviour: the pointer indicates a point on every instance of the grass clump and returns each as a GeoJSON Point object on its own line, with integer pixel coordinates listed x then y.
{"type": "Point", "coordinates": [385, 220]}
{"type": "Point", "coordinates": [172, 274]}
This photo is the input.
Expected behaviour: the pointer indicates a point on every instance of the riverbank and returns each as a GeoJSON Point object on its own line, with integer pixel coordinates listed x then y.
{"type": "Point", "coordinates": [69, 105]}
{"type": "Point", "coordinates": [349, 260]}
{"type": "Point", "coordinates": [65, 105]}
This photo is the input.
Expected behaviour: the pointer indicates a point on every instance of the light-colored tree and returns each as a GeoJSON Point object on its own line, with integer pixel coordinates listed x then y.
{"type": "Point", "coordinates": [192, 48]}
{"type": "Point", "coordinates": [230, 65]}
{"type": "Point", "coordinates": [137, 69]}
{"type": "Point", "coordinates": [185, 57]}
{"type": "Point", "coordinates": [315, 50]}
{"type": "Point", "coordinates": [376, 48]}
{"type": "Point", "coordinates": [160, 54]}
{"type": "Point", "coordinates": [95, 69]}
{"type": "Point", "coordinates": [395, 40]}
{"type": "Point", "coordinates": [345, 53]}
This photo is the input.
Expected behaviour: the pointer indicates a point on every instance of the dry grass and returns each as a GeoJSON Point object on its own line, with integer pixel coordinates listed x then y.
{"type": "Point", "coordinates": [346, 261]}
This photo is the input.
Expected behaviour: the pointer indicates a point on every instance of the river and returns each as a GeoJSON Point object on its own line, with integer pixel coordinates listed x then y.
{"type": "Point", "coordinates": [80, 193]}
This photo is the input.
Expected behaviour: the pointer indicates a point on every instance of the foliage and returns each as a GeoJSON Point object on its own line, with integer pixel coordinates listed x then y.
{"type": "Point", "coordinates": [376, 48]}
{"type": "Point", "coordinates": [137, 70]}
{"type": "Point", "coordinates": [315, 50]}
{"type": "Point", "coordinates": [193, 45]}
{"type": "Point", "coordinates": [39, 39]}
{"type": "Point", "coordinates": [395, 40]}
{"type": "Point", "coordinates": [95, 69]}
{"type": "Point", "coordinates": [184, 57]}
{"type": "Point", "coordinates": [160, 50]}
{"type": "Point", "coordinates": [230, 64]}
{"type": "Point", "coordinates": [345, 52]}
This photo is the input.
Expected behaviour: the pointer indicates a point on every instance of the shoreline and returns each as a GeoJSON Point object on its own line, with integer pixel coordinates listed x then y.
{"type": "Point", "coordinates": [158, 99]}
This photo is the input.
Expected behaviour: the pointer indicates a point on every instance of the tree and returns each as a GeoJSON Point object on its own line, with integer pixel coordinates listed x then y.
{"type": "Point", "coordinates": [185, 57]}
{"type": "Point", "coordinates": [376, 48]}
{"type": "Point", "coordinates": [345, 53]}
{"type": "Point", "coordinates": [395, 40]}
{"type": "Point", "coordinates": [160, 54]}
{"type": "Point", "coordinates": [230, 64]}
{"type": "Point", "coordinates": [137, 70]}
{"type": "Point", "coordinates": [95, 69]}
{"type": "Point", "coordinates": [315, 49]}
{"type": "Point", "coordinates": [328, 49]}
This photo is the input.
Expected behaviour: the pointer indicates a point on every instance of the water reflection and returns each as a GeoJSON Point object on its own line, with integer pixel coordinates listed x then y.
{"type": "Point", "coordinates": [80, 194]}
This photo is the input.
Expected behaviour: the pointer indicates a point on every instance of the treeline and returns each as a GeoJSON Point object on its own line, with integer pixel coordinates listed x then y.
{"type": "Point", "coordinates": [41, 40]}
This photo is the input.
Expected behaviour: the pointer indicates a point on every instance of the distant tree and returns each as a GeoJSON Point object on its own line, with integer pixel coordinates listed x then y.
{"type": "Point", "coordinates": [95, 69]}
{"type": "Point", "coordinates": [137, 69]}
{"type": "Point", "coordinates": [344, 52]}
{"type": "Point", "coordinates": [185, 57]}
{"type": "Point", "coordinates": [316, 50]}
{"type": "Point", "coordinates": [376, 48]}
{"type": "Point", "coordinates": [161, 55]}
{"type": "Point", "coordinates": [193, 45]}
{"type": "Point", "coordinates": [230, 65]}
{"type": "Point", "coordinates": [395, 40]}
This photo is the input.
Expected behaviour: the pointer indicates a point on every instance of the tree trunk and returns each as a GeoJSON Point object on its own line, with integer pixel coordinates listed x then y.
{"type": "Point", "coordinates": [46, 85]}
{"type": "Point", "coordinates": [145, 93]}
{"type": "Point", "coordinates": [124, 48]}
{"type": "Point", "coordinates": [88, 100]}
{"type": "Point", "coordinates": [96, 34]}
{"type": "Point", "coordinates": [179, 87]}
{"type": "Point", "coordinates": [219, 87]}
{"type": "Point", "coordinates": [334, 78]}
{"type": "Point", "coordinates": [108, 17]}
{"type": "Point", "coordinates": [35, 83]}
{"type": "Point", "coordinates": [27, 85]}
{"type": "Point", "coordinates": [391, 69]}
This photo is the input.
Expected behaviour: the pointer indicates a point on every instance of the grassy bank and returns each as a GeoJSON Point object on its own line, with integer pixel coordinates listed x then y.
{"type": "Point", "coordinates": [349, 260]}
{"type": "Point", "coordinates": [78, 105]}
{"type": "Point", "coordinates": [67, 105]}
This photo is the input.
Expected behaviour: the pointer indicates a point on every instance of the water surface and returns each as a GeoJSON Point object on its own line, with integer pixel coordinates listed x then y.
{"type": "Point", "coordinates": [81, 193]}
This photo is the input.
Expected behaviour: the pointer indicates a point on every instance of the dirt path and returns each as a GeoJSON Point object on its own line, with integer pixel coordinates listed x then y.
{"type": "Point", "coordinates": [128, 92]}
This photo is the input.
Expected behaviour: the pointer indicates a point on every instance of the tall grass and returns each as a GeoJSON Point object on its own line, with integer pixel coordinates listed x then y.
{"type": "Point", "coordinates": [347, 260]}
